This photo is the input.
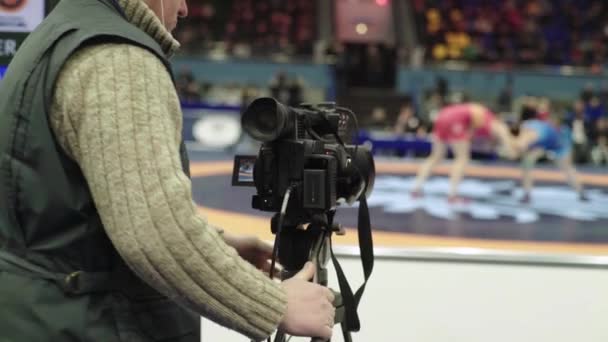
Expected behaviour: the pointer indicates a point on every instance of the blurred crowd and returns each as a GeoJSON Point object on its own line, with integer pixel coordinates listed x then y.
{"type": "Point", "coordinates": [585, 120]}
{"type": "Point", "coordinates": [588, 121]}
{"type": "Point", "coordinates": [529, 32]}
{"type": "Point", "coordinates": [285, 87]}
{"type": "Point", "coordinates": [505, 33]}
{"type": "Point", "coordinates": [245, 28]}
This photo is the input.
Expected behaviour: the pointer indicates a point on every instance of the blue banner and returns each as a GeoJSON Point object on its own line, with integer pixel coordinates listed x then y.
{"type": "Point", "coordinates": [2, 71]}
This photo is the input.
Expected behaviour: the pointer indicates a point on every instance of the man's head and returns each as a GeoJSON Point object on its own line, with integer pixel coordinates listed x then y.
{"type": "Point", "coordinates": [579, 108]}
{"type": "Point", "coordinates": [168, 11]}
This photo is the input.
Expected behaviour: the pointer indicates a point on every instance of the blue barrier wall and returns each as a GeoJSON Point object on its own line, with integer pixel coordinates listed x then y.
{"type": "Point", "coordinates": [487, 84]}
{"type": "Point", "coordinates": [483, 84]}
{"type": "Point", "coordinates": [259, 73]}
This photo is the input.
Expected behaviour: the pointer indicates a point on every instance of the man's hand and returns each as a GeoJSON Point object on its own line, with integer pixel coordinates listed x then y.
{"type": "Point", "coordinates": [255, 251]}
{"type": "Point", "coordinates": [310, 310]}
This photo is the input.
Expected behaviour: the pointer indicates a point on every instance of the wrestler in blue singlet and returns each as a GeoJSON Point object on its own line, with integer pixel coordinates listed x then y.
{"type": "Point", "coordinates": [549, 138]}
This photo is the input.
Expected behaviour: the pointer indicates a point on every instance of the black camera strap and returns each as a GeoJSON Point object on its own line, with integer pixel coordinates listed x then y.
{"type": "Point", "coordinates": [366, 248]}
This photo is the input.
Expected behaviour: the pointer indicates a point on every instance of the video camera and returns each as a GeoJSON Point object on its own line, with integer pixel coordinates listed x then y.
{"type": "Point", "coordinates": [302, 172]}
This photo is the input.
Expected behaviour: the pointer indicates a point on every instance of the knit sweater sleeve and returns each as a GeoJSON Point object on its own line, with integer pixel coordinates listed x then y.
{"type": "Point", "coordinates": [115, 111]}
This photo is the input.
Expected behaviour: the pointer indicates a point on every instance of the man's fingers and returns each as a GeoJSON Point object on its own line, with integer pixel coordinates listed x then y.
{"type": "Point", "coordinates": [331, 320]}
{"type": "Point", "coordinates": [307, 272]}
{"type": "Point", "coordinates": [330, 295]}
{"type": "Point", "coordinates": [326, 332]}
{"type": "Point", "coordinates": [277, 268]}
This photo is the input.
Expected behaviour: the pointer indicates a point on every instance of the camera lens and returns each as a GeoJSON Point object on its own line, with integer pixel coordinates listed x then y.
{"type": "Point", "coordinates": [266, 119]}
{"type": "Point", "coordinates": [266, 122]}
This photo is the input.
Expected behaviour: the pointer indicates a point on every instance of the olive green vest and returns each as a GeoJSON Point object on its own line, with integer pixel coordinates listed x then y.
{"type": "Point", "coordinates": [61, 279]}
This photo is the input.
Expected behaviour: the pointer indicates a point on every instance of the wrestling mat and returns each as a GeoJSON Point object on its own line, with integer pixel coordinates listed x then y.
{"type": "Point", "coordinates": [554, 221]}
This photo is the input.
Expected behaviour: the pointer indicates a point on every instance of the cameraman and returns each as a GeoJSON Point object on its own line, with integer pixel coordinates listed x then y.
{"type": "Point", "coordinates": [99, 237]}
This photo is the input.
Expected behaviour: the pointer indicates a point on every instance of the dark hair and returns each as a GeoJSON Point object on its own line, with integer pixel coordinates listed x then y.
{"type": "Point", "coordinates": [528, 113]}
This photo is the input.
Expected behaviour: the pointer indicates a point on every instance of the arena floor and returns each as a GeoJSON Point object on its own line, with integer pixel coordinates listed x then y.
{"type": "Point", "coordinates": [554, 222]}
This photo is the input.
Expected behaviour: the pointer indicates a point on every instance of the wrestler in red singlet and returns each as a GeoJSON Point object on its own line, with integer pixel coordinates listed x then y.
{"type": "Point", "coordinates": [455, 123]}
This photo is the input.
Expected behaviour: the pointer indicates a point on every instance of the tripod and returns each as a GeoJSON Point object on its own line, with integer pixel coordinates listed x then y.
{"type": "Point", "coordinates": [299, 245]}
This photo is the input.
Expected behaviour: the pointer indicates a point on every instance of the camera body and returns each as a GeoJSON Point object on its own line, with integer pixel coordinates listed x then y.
{"type": "Point", "coordinates": [319, 168]}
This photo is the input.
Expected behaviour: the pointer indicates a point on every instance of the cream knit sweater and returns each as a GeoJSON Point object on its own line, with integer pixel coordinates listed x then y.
{"type": "Point", "coordinates": [116, 112]}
